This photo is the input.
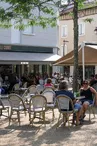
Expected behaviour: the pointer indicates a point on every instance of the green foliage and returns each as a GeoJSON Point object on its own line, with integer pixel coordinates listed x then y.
{"type": "Point", "coordinates": [88, 20]}
{"type": "Point", "coordinates": [37, 12]}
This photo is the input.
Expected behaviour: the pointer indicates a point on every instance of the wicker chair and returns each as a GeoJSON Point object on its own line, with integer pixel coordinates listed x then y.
{"type": "Point", "coordinates": [25, 85]}
{"type": "Point", "coordinates": [39, 88]}
{"type": "Point", "coordinates": [16, 88]}
{"type": "Point", "coordinates": [91, 109]}
{"type": "Point", "coordinates": [48, 89]}
{"type": "Point", "coordinates": [37, 107]}
{"type": "Point", "coordinates": [32, 89]}
{"type": "Point", "coordinates": [50, 97]}
{"type": "Point", "coordinates": [63, 102]}
{"type": "Point", "coordinates": [4, 105]}
{"type": "Point", "coordinates": [17, 106]}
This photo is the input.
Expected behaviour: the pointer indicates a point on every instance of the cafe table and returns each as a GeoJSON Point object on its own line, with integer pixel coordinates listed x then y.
{"type": "Point", "coordinates": [80, 97]}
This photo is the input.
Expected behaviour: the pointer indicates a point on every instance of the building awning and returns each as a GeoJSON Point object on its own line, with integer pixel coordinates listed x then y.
{"type": "Point", "coordinates": [90, 57]}
{"type": "Point", "coordinates": [32, 58]}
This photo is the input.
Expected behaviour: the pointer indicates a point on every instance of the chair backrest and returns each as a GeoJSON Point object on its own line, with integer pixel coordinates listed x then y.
{"type": "Point", "coordinates": [48, 89]}
{"type": "Point", "coordinates": [16, 86]}
{"type": "Point", "coordinates": [32, 89]}
{"type": "Point", "coordinates": [38, 101]}
{"type": "Point", "coordinates": [25, 85]}
{"type": "Point", "coordinates": [39, 88]}
{"type": "Point", "coordinates": [24, 96]}
{"type": "Point", "coordinates": [63, 102]}
{"type": "Point", "coordinates": [50, 96]}
{"type": "Point", "coordinates": [53, 80]}
{"type": "Point", "coordinates": [41, 81]}
{"type": "Point", "coordinates": [95, 86]}
{"type": "Point", "coordinates": [15, 100]}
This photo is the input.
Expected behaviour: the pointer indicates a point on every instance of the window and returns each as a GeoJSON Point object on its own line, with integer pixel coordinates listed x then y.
{"type": "Point", "coordinates": [81, 28]}
{"type": "Point", "coordinates": [64, 31]}
{"type": "Point", "coordinates": [64, 50]}
{"type": "Point", "coordinates": [29, 29]}
{"type": "Point", "coordinates": [65, 2]}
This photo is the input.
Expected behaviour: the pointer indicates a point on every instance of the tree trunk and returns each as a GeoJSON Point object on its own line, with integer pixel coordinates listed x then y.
{"type": "Point", "coordinates": [75, 72]}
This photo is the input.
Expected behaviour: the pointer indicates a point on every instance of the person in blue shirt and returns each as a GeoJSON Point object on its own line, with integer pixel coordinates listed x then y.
{"type": "Point", "coordinates": [63, 90]}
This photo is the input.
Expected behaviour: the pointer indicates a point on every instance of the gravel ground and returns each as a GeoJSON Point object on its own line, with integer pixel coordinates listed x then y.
{"type": "Point", "coordinates": [40, 135]}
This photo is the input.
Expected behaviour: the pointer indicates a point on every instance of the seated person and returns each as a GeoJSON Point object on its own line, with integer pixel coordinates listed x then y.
{"type": "Point", "coordinates": [63, 90]}
{"type": "Point", "coordinates": [88, 92]}
{"type": "Point", "coordinates": [2, 91]}
{"type": "Point", "coordinates": [49, 83]}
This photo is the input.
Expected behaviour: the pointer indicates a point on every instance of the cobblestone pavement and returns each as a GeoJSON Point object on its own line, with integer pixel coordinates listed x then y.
{"type": "Point", "coordinates": [40, 135]}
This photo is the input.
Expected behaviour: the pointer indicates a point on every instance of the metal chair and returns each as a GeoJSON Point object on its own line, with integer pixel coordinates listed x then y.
{"type": "Point", "coordinates": [50, 97]}
{"type": "Point", "coordinates": [37, 107]}
{"type": "Point", "coordinates": [4, 105]}
{"type": "Point", "coordinates": [48, 89]}
{"type": "Point", "coordinates": [91, 108]}
{"type": "Point", "coordinates": [39, 88]}
{"type": "Point", "coordinates": [63, 103]}
{"type": "Point", "coordinates": [25, 85]}
{"type": "Point", "coordinates": [16, 88]}
{"type": "Point", "coordinates": [17, 105]}
{"type": "Point", "coordinates": [32, 89]}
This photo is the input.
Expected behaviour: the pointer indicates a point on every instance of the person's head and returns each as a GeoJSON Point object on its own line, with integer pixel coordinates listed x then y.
{"type": "Point", "coordinates": [92, 76]}
{"type": "Point", "coordinates": [85, 83]}
{"type": "Point", "coordinates": [96, 76]}
{"type": "Point", "coordinates": [63, 85]}
{"type": "Point", "coordinates": [49, 80]}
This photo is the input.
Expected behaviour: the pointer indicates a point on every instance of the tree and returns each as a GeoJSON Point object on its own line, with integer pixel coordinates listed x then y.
{"type": "Point", "coordinates": [25, 9]}
{"type": "Point", "coordinates": [75, 20]}
{"type": "Point", "coordinates": [78, 4]}
{"type": "Point", "coordinates": [38, 12]}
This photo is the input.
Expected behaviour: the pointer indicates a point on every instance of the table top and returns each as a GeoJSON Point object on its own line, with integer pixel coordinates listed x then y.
{"type": "Point", "coordinates": [3, 96]}
{"type": "Point", "coordinates": [23, 88]}
{"type": "Point", "coordinates": [80, 97]}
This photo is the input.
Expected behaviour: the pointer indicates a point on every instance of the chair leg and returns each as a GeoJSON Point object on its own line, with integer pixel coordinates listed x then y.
{"type": "Point", "coordinates": [58, 120]}
{"type": "Point", "coordinates": [32, 119]}
{"type": "Point", "coordinates": [53, 115]}
{"type": "Point", "coordinates": [89, 114]}
{"type": "Point", "coordinates": [68, 120]}
{"type": "Point", "coordinates": [43, 114]}
{"type": "Point", "coordinates": [0, 112]}
{"type": "Point", "coordinates": [64, 119]}
{"type": "Point", "coordinates": [18, 116]}
{"type": "Point", "coordinates": [11, 113]}
{"type": "Point", "coordinates": [93, 111]}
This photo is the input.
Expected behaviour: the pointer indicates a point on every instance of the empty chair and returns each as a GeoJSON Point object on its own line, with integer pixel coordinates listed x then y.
{"type": "Point", "coordinates": [50, 97]}
{"type": "Point", "coordinates": [37, 107]}
{"type": "Point", "coordinates": [32, 89]}
{"type": "Point", "coordinates": [48, 89]}
{"type": "Point", "coordinates": [39, 88]}
{"type": "Point", "coordinates": [25, 85]}
{"type": "Point", "coordinates": [24, 96]}
{"type": "Point", "coordinates": [41, 81]}
{"type": "Point", "coordinates": [17, 105]}
{"type": "Point", "coordinates": [4, 105]}
{"type": "Point", "coordinates": [16, 88]}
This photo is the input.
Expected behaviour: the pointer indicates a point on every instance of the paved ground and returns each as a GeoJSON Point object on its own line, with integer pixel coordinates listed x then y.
{"type": "Point", "coordinates": [39, 135]}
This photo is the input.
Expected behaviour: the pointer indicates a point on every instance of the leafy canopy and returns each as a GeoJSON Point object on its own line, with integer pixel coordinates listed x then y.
{"type": "Point", "coordinates": [37, 12]}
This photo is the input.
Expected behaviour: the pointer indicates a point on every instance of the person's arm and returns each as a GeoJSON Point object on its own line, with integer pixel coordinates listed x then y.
{"type": "Point", "coordinates": [95, 93]}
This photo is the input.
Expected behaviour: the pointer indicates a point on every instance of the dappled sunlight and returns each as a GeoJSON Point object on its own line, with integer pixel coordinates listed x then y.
{"type": "Point", "coordinates": [40, 135]}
